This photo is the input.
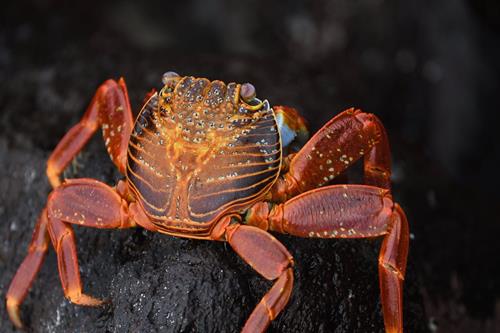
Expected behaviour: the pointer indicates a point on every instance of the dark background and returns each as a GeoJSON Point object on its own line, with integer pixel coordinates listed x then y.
{"type": "Point", "coordinates": [428, 69]}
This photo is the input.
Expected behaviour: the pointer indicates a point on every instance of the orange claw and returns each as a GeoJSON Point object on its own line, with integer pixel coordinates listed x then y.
{"type": "Point", "coordinates": [347, 137]}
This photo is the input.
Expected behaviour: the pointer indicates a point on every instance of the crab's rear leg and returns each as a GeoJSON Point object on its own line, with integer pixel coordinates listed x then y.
{"type": "Point", "coordinates": [110, 110]}
{"type": "Point", "coordinates": [349, 211]}
{"type": "Point", "coordinates": [28, 270]}
{"type": "Point", "coordinates": [338, 144]}
{"type": "Point", "coordinates": [84, 202]}
{"type": "Point", "coordinates": [269, 258]}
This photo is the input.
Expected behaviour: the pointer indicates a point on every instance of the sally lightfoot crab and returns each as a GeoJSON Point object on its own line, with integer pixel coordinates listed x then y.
{"type": "Point", "coordinates": [209, 160]}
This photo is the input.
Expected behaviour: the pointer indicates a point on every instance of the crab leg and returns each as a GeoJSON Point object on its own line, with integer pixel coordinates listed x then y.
{"type": "Point", "coordinates": [337, 145]}
{"type": "Point", "coordinates": [271, 260]}
{"type": "Point", "coordinates": [110, 110]}
{"type": "Point", "coordinates": [28, 270]}
{"type": "Point", "coordinates": [85, 202]}
{"type": "Point", "coordinates": [349, 211]}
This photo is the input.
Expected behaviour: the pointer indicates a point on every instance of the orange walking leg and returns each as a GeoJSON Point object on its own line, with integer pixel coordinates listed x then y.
{"type": "Point", "coordinates": [84, 202]}
{"type": "Point", "coordinates": [110, 110]}
{"type": "Point", "coordinates": [28, 270]}
{"type": "Point", "coordinates": [269, 258]}
{"type": "Point", "coordinates": [349, 211]}
{"type": "Point", "coordinates": [392, 269]}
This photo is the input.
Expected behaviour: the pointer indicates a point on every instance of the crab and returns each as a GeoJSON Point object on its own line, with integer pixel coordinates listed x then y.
{"type": "Point", "coordinates": [211, 161]}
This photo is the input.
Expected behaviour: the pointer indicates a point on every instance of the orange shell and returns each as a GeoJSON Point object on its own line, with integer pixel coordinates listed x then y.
{"type": "Point", "coordinates": [198, 152]}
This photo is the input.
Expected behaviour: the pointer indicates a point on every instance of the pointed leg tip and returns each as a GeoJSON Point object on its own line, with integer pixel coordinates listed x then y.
{"type": "Point", "coordinates": [13, 311]}
{"type": "Point", "coordinates": [86, 300]}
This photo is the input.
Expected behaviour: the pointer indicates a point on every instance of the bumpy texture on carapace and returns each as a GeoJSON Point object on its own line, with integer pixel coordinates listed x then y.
{"type": "Point", "coordinates": [199, 151]}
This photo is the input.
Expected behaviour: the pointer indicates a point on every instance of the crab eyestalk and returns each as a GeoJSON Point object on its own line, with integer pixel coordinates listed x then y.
{"type": "Point", "coordinates": [247, 92]}
{"type": "Point", "coordinates": [248, 97]}
{"type": "Point", "coordinates": [169, 77]}
{"type": "Point", "coordinates": [169, 80]}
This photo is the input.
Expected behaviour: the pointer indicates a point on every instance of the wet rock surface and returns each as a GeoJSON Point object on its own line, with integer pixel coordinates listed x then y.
{"type": "Point", "coordinates": [428, 71]}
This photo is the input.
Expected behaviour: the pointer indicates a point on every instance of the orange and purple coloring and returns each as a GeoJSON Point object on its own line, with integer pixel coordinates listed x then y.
{"type": "Point", "coordinates": [209, 160]}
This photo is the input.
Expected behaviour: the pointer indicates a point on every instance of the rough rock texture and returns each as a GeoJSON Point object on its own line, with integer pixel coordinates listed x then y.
{"type": "Point", "coordinates": [429, 71]}
{"type": "Point", "coordinates": [160, 283]}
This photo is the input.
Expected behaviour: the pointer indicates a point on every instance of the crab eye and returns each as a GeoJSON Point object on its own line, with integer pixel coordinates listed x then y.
{"type": "Point", "coordinates": [169, 76]}
{"type": "Point", "coordinates": [247, 92]}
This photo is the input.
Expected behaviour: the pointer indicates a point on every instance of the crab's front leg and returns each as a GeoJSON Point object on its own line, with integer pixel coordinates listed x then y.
{"type": "Point", "coordinates": [269, 258]}
{"type": "Point", "coordinates": [342, 141]}
{"type": "Point", "coordinates": [110, 110]}
{"type": "Point", "coordinates": [349, 211]}
{"type": "Point", "coordinates": [84, 202]}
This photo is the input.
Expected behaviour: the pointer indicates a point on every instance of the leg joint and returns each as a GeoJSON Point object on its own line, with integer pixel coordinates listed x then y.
{"type": "Point", "coordinates": [393, 269]}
